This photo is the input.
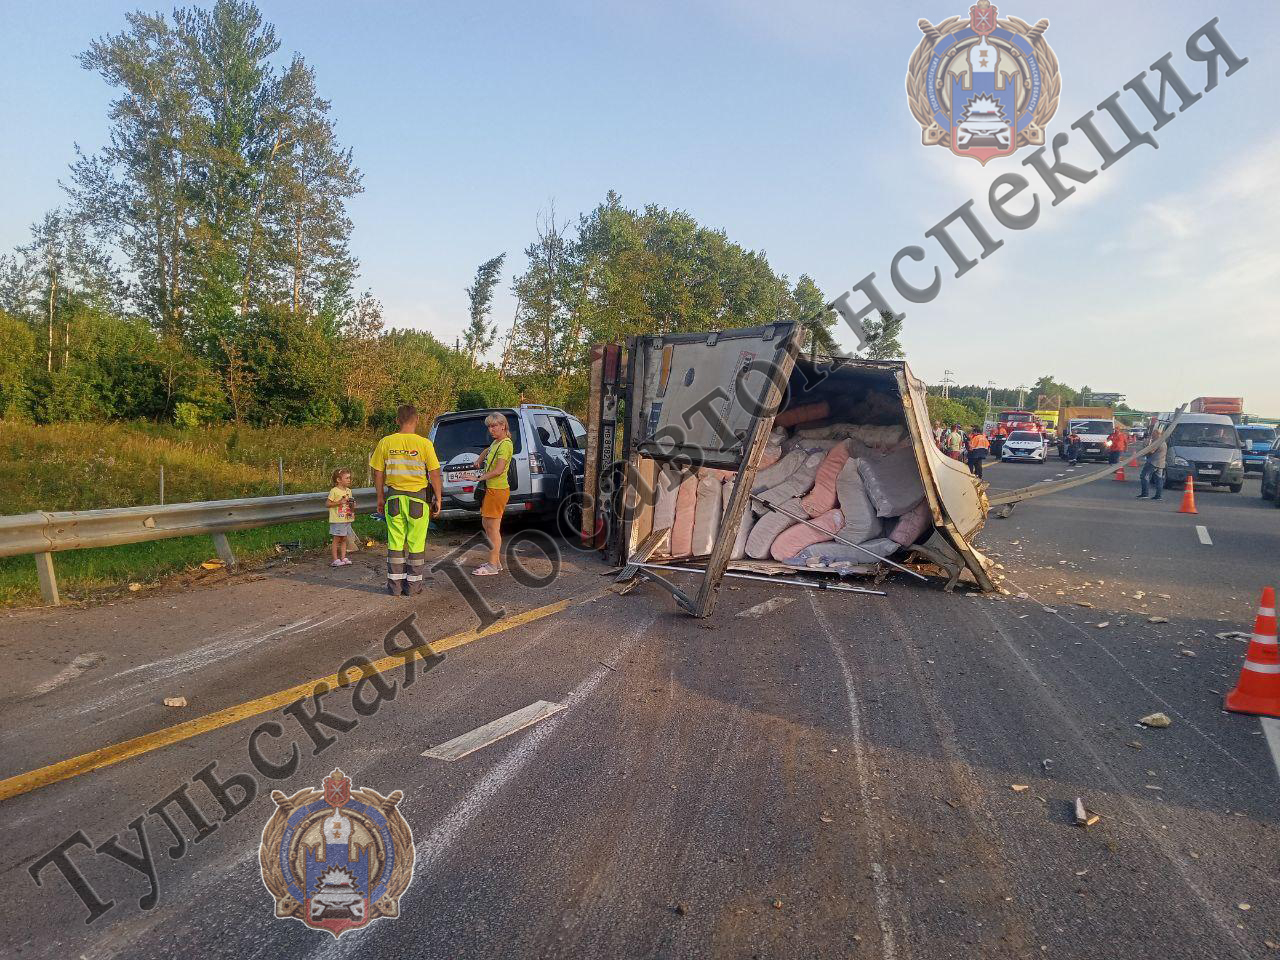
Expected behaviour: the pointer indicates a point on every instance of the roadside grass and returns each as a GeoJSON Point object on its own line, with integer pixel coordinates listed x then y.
{"type": "Point", "coordinates": [89, 466]}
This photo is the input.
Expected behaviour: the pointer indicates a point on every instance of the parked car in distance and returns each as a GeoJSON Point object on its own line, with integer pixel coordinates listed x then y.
{"type": "Point", "coordinates": [1255, 440]}
{"type": "Point", "coordinates": [1025, 445]}
{"type": "Point", "coordinates": [1205, 447]}
{"type": "Point", "coordinates": [1271, 474]}
{"type": "Point", "coordinates": [550, 449]}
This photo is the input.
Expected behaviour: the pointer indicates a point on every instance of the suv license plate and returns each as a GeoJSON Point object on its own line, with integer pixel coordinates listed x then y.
{"type": "Point", "coordinates": [464, 476]}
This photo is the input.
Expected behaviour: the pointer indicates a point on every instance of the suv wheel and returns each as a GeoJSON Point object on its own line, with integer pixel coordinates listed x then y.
{"type": "Point", "coordinates": [569, 517]}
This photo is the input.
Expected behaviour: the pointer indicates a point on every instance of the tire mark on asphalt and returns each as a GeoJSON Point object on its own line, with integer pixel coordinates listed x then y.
{"type": "Point", "coordinates": [68, 673]}
{"type": "Point", "coordinates": [1224, 921]}
{"type": "Point", "coordinates": [430, 850]}
{"type": "Point", "coordinates": [879, 881]}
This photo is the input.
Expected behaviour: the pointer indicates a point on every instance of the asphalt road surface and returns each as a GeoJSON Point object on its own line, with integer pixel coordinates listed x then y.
{"type": "Point", "coordinates": [830, 775]}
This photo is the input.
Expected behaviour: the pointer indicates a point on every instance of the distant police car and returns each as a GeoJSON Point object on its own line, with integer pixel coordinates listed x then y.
{"type": "Point", "coordinates": [1024, 445]}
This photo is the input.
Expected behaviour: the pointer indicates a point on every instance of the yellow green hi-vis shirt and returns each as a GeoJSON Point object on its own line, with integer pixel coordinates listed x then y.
{"type": "Point", "coordinates": [405, 459]}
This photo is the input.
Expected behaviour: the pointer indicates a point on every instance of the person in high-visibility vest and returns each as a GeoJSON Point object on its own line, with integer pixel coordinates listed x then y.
{"type": "Point", "coordinates": [1118, 443]}
{"type": "Point", "coordinates": [401, 463]}
{"type": "Point", "coordinates": [978, 447]}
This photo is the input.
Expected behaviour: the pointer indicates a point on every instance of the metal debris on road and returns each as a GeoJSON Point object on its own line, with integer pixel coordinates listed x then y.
{"type": "Point", "coordinates": [1234, 635]}
{"type": "Point", "coordinates": [1186, 653]}
{"type": "Point", "coordinates": [1104, 623]}
{"type": "Point", "coordinates": [175, 701]}
{"type": "Point", "coordinates": [1157, 619]}
{"type": "Point", "coordinates": [1158, 720]}
{"type": "Point", "coordinates": [1018, 787]}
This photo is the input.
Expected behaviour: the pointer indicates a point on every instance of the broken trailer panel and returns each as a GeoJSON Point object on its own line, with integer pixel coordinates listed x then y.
{"type": "Point", "coordinates": [712, 407]}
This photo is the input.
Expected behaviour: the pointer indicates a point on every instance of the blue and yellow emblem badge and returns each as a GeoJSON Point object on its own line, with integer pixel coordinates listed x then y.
{"type": "Point", "coordinates": [982, 86]}
{"type": "Point", "coordinates": [336, 858]}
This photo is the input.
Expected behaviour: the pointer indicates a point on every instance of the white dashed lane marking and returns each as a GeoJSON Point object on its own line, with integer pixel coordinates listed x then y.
{"type": "Point", "coordinates": [1203, 533]}
{"type": "Point", "coordinates": [495, 730]}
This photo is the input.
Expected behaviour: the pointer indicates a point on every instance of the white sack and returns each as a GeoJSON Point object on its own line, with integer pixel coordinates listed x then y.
{"type": "Point", "coordinates": [860, 520]}
{"type": "Point", "coordinates": [798, 483]}
{"type": "Point", "coordinates": [892, 481]}
{"type": "Point", "coordinates": [744, 527]}
{"type": "Point", "coordinates": [775, 474]}
{"type": "Point", "coordinates": [664, 510]}
{"type": "Point", "coordinates": [706, 516]}
{"type": "Point", "coordinates": [769, 527]}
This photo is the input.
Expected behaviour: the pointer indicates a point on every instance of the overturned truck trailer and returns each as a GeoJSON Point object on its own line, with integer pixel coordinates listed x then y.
{"type": "Point", "coordinates": [732, 451]}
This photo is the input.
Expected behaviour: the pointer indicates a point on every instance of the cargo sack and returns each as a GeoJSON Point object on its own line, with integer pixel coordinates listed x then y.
{"type": "Point", "coordinates": [892, 481]}
{"type": "Point", "coordinates": [706, 514]}
{"type": "Point", "coordinates": [805, 413]}
{"type": "Point", "coordinates": [912, 524]}
{"type": "Point", "coordinates": [798, 484]}
{"type": "Point", "coordinates": [838, 556]}
{"type": "Point", "coordinates": [823, 495]}
{"type": "Point", "coordinates": [682, 528]}
{"type": "Point", "coordinates": [744, 527]}
{"type": "Point", "coordinates": [664, 511]}
{"type": "Point", "coordinates": [774, 475]}
{"type": "Point", "coordinates": [800, 535]}
{"type": "Point", "coordinates": [860, 520]}
{"type": "Point", "coordinates": [768, 528]}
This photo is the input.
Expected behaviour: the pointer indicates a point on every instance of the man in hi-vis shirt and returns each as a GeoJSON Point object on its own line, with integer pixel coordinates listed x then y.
{"type": "Point", "coordinates": [401, 464]}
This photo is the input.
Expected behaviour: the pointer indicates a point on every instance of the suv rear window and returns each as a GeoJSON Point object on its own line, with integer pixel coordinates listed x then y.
{"type": "Point", "coordinates": [469, 435]}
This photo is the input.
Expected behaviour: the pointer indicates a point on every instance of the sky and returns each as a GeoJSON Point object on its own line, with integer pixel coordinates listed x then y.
{"type": "Point", "coordinates": [785, 125]}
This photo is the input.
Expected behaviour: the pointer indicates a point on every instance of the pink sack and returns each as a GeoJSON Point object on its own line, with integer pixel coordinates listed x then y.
{"type": "Point", "coordinates": [805, 413]}
{"type": "Point", "coordinates": [686, 506]}
{"type": "Point", "coordinates": [823, 495]}
{"type": "Point", "coordinates": [795, 538]}
{"type": "Point", "coordinates": [911, 524]}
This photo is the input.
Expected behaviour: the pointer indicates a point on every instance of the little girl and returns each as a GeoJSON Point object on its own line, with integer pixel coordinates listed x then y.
{"type": "Point", "coordinates": [342, 512]}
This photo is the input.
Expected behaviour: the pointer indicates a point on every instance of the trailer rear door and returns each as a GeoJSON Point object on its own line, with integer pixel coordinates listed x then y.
{"type": "Point", "coordinates": [709, 400]}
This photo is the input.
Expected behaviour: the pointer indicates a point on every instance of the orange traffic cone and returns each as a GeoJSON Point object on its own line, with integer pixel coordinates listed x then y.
{"type": "Point", "coordinates": [1133, 462]}
{"type": "Point", "coordinates": [1189, 497]}
{"type": "Point", "coordinates": [1259, 688]}
{"type": "Point", "coordinates": [1120, 474]}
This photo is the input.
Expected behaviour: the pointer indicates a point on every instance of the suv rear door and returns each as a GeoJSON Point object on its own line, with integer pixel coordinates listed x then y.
{"type": "Point", "coordinates": [459, 439]}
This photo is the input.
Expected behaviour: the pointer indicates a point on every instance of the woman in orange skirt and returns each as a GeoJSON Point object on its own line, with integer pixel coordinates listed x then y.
{"type": "Point", "coordinates": [497, 490]}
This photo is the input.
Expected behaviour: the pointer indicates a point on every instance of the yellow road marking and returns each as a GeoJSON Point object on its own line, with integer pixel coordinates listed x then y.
{"type": "Point", "coordinates": [128, 749]}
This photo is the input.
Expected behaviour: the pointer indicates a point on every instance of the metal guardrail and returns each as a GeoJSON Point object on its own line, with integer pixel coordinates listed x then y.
{"type": "Point", "coordinates": [42, 533]}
